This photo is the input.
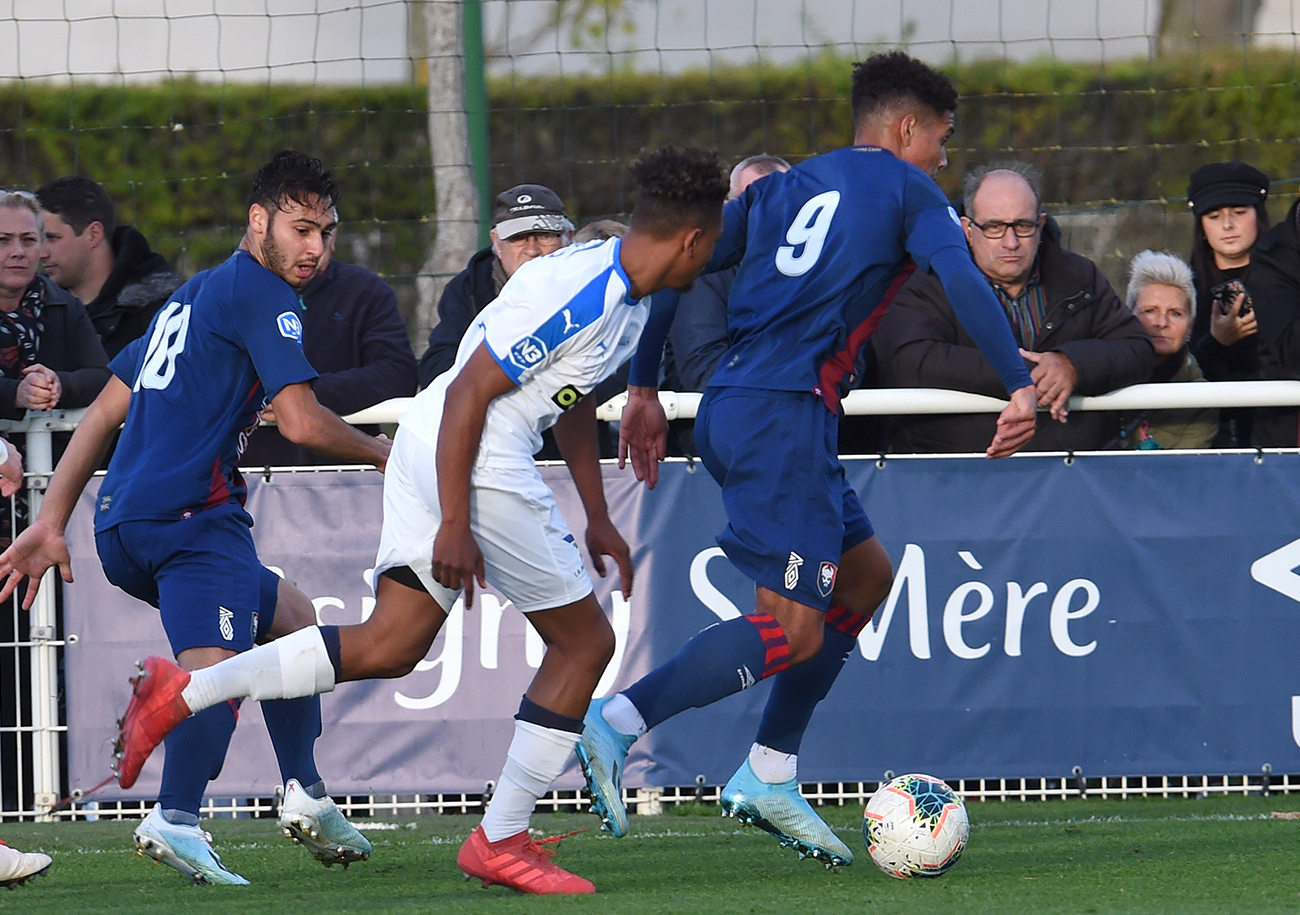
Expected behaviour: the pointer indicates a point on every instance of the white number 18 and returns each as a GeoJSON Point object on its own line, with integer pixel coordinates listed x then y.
{"type": "Point", "coordinates": [167, 342]}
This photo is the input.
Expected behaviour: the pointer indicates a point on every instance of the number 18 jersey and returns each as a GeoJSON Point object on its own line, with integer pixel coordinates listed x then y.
{"type": "Point", "coordinates": [218, 352]}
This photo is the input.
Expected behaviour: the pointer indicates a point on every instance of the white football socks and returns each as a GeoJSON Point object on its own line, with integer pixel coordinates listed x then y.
{"type": "Point", "coordinates": [536, 758]}
{"type": "Point", "coordinates": [622, 716]}
{"type": "Point", "coordinates": [294, 665]}
{"type": "Point", "coordinates": [773, 766]}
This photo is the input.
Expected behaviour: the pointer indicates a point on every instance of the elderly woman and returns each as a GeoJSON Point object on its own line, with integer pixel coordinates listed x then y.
{"type": "Point", "coordinates": [1163, 297]}
{"type": "Point", "coordinates": [50, 355]}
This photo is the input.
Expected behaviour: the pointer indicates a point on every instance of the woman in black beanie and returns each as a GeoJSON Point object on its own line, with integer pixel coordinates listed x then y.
{"type": "Point", "coordinates": [1227, 200]}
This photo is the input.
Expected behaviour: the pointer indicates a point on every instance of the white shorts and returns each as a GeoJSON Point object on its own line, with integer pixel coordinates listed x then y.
{"type": "Point", "coordinates": [529, 555]}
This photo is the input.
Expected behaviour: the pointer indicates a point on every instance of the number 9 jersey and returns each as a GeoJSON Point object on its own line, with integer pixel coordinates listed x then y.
{"type": "Point", "coordinates": [217, 353]}
{"type": "Point", "coordinates": [821, 243]}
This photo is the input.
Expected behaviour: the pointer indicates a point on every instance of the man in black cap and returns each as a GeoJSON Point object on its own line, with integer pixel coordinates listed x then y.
{"type": "Point", "coordinates": [528, 221]}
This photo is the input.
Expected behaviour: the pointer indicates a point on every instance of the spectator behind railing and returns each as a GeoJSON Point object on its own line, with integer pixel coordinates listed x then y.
{"type": "Point", "coordinates": [1274, 287]}
{"type": "Point", "coordinates": [529, 221]}
{"type": "Point", "coordinates": [50, 355]}
{"type": "Point", "coordinates": [354, 336]}
{"type": "Point", "coordinates": [1227, 200]}
{"type": "Point", "coordinates": [1072, 327]}
{"type": "Point", "coordinates": [108, 266]}
{"type": "Point", "coordinates": [600, 230]}
{"type": "Point", "coordinates": [1162, 295]}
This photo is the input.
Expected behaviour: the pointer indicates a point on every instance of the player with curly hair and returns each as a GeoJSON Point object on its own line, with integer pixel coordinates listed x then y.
{"type": "Point", "coordinates": [824, 247]}
{"type": "Point", "coordinates": [464, 503]}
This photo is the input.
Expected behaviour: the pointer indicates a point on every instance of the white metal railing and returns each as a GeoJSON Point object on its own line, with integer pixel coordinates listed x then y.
{"type": "Point", "coordinates": [43, 643]}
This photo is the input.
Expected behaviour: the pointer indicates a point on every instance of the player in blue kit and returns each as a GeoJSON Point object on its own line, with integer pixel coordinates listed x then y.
{"type": "Point", "coordinates": [464, 503]}
{"type": "Point", "coordinates": [820, 247]}
{"type": "Point", "coordinates": [170, 526]}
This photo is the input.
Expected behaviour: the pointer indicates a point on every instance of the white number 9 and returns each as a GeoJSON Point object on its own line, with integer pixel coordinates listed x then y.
{"type": "Point", "coordinates": [809, 230]}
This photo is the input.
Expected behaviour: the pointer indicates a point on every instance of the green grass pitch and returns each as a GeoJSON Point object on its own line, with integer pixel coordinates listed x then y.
{"type": "Point", "coordinates": [1077, 856]}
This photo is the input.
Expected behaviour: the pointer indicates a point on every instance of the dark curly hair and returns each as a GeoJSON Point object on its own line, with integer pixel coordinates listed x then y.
{"type": "Point", "coordinates": [886, 79]}
{"type": "Point", "coordinates": [295, 176]}
{"type": "Point", "coordinates": [678, 184]}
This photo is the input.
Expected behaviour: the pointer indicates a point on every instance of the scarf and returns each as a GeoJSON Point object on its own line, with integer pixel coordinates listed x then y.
{"type": "Point", "coordinates": [20, 331]}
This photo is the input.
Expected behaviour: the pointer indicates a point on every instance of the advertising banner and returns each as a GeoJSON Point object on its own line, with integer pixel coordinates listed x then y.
{"type": "Point", "coordinates": [1126, 614]}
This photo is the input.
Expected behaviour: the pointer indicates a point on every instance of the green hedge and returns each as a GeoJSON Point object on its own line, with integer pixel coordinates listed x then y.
{"type": "Point", "coordinates": [178, 156]}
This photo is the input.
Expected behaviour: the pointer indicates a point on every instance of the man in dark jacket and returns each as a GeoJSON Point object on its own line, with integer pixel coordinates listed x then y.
{"type": "Point", "coordinates": [108, 266]}
{"type": "Point", "coordinates": [1274, 287]}
{"type": "Point", "coordinates": [354, 336]}
{"type": "Point", "coordinates": [1074, 330]}
{"type": "Point", "coordinates": [528, 221]}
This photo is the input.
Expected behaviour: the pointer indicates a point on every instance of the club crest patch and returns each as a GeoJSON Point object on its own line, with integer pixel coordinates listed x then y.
{"type": "Point", "coordinates": [826, 573]}
{"type": "Point", "coordinates": [290, 326]}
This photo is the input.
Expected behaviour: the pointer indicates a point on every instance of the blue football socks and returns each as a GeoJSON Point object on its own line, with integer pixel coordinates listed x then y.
{"type": "Point", "coordinates": [797, 691]}
{"type": "Point", "coordinates": [718, 661]}
{"type": "Point", "coordinates": [195, 751]}
{"type": "Point", "coordinates": [294, 725]}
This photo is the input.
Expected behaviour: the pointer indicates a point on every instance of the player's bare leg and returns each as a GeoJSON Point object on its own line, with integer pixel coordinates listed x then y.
{"type": "Point", "coordinates": [396, 637]}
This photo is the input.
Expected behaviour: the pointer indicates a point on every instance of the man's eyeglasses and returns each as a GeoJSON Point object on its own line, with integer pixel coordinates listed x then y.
{"type": "Point", "coordinates": [1024, 228]}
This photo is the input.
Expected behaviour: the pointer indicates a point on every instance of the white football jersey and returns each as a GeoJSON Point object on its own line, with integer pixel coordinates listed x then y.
{"type": "Point", "coordinates": [561, 325]}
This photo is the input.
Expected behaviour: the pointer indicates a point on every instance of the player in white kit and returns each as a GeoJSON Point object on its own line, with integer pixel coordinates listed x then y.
{"type": "Point", "coordinates": [464, 503]}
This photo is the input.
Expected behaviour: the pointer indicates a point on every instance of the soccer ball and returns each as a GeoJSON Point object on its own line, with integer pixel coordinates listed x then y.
{"type": "Point", "coordinates": [915, 826]}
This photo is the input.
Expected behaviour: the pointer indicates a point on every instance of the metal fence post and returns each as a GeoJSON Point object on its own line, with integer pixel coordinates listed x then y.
{"type": "Point", "coordinates": [43, 635]}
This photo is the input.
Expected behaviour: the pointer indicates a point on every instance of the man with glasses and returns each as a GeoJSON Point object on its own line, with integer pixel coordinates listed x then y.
{"type": "Point", "coordinates": [1074, 331]}
{"type": "Point", "coordinates": [528, 221]}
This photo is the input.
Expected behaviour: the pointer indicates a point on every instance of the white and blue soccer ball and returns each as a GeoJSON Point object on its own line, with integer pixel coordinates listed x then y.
{"type": "Point", "coordinates": [915, 826]}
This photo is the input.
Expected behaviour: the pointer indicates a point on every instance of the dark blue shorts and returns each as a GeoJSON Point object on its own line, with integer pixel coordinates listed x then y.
{"type": "Point", "coordinates": [791, 513]}
{"type": "Point", "coordinates": [202, 573]}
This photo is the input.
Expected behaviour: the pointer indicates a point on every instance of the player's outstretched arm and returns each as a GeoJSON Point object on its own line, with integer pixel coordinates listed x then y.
{"type": "Point", "coordinates": [303, 421]}
{"type": "Point", "coordinates": [575, 433]}
{"type": "Point", "coordinates": [42, 545]}
{"type": "Point", "coordinates": [457, 560]}
{"type": "Point", "coordinates": [643, 434]}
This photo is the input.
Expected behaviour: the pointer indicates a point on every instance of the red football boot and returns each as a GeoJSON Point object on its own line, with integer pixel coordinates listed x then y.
{"type": "Point", "coordinates": [519, 862]}
{"type": "Point", "coordinates": [156, 708]}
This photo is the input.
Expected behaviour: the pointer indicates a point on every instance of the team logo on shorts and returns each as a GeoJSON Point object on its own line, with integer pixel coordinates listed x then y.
{"type": "Point", "coordinates": [567, 396]}
{"type": "Point", "coordinates": [792, 570]}
{"type": "Point", "coordinates": [290, 326]}
{"type": "Point", "coordinates": [253, 629]}
{"type": "Point", "coordinates": [528, 352]}
{"type": "Point", "coordinates": [826, 573]}
{"type": "Point", "coordinates": [225, 620]}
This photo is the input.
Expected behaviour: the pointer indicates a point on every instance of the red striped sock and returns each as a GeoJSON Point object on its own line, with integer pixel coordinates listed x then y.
{"type": "Point", "coordinates": [844, 620]}
{"type": "Point", "coordinates": [777, 656]}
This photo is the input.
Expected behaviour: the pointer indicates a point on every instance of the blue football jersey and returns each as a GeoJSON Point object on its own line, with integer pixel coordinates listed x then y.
{"type": "Point", "coordinates": [221, 349]}
{"type": "Point", "coordinates": [818, 248]}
